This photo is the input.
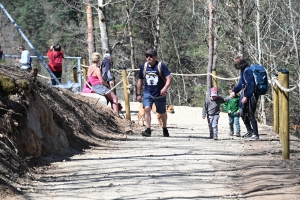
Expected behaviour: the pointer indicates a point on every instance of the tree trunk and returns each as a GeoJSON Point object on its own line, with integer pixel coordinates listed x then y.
{"type": "Point", "coordinates": [294, 37]}
{"type": "Point", "coordinates": [211, 44]}
{"type": "Point", "coordinates": [157, 26]}
{"type": "Point", "coordinates": [102, 25]}
{"type": "Point", "coordinates": [263, 102]}
{"type": "Point", "coordinates": [134, 81]}
{"type": "Point", "coordinates": [240, 28]}
{"type": "Point", "coordinates": [90, 28]}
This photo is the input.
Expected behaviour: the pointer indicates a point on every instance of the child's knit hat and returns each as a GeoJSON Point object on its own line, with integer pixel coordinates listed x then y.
{"type": "Point", "coordinates": [214, 92]}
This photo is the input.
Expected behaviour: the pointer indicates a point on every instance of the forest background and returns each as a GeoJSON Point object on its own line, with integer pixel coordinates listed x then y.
{"type": "Point", "coordinates": [264, 31]}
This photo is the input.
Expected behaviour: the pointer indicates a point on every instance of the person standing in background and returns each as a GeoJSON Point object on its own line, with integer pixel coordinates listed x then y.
{"type": "Point", "coordinates": [106, 67]}
{"type": "Point", "coordinates": [55, 55]}
{"type": "Point", "coordinates": [25, 60]}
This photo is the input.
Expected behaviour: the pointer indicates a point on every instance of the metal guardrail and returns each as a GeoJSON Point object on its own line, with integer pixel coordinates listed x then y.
{"type": "Point", "coordinates": [79, 71]}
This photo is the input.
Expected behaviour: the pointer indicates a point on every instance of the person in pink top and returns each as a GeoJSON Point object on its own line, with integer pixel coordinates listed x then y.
{"type": "Point", "coordinates": [99, 85]}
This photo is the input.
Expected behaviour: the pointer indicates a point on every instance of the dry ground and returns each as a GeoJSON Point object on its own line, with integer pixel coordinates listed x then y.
{"type": "Point", "coordinates": [187, 165]}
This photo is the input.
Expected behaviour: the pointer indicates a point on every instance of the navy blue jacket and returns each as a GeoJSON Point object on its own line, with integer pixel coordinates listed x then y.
{"type": "Point", "coordinates": [249, 84]}
{"type": "Point", "coordinates": [106, 73]}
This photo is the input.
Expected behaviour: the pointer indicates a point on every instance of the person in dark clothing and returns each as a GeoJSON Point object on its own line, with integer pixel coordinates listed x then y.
{"type": "Point", "coordinates": [106, 67]}
{"type": "Point", "coordinates": [248, 97]}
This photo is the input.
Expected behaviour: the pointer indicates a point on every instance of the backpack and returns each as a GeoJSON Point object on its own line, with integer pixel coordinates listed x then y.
{"type": "Point", "coordinates": [260, 78]}
{"type": "Point", "coordinates": [158, 67]}
{"type": "Point", "coordinates": [57, 62]}
{"type": "Point", "coordinates": [30, 60]}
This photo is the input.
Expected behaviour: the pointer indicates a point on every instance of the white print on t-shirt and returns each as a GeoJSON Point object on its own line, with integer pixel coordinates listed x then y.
{"type": "Point", "coordinates": [152, 79]}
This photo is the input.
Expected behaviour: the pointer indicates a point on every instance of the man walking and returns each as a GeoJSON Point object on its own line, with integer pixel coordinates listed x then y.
{"type": "Point", "coordinates": [248, 97]}
{"type": "Point", "coordinates": [157, 79]}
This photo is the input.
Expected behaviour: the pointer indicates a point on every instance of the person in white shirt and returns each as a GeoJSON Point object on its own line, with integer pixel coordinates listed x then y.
{"type": "Point", "coordinates": [25, 58]}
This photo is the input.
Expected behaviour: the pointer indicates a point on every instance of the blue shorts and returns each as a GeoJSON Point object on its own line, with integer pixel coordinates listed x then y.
{"type": "Point", "coordinates": [100, 89]}
{"type": "Point", "coordinates": [160, 102]}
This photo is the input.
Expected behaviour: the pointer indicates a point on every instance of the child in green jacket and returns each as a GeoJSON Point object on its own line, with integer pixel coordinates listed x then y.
{"type": "Point", "coordinates": [233, 110]}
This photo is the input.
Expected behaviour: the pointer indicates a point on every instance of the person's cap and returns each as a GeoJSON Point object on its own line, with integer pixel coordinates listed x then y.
{"type": "Point", "coordinates": [107, 56]}
{"type": "Point", "coordinates": [151, 52]}
{"type": "Point", "coordinates": [214, 92]}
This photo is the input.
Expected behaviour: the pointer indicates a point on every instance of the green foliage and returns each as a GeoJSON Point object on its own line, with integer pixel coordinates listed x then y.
{"type": "Point", "coordinates": [118, 27]}
{"type": "Point", "coordinates": [7, 85]}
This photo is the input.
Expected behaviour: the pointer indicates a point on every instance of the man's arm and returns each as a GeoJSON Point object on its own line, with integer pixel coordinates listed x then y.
{"type": "Point", "coordinates": [139, 86]}
{"type": "Point", "coordinates": [163, 92]}
{"type": "Point", "coordinates": [139, 90]}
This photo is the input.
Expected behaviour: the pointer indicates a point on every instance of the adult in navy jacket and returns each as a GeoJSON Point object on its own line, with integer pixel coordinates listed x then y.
{"type": "Point", "coordinates": [248, 97]}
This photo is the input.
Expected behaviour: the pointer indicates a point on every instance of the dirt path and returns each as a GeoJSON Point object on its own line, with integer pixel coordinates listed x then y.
{"type": "Point", "coordinates": [187, 165]}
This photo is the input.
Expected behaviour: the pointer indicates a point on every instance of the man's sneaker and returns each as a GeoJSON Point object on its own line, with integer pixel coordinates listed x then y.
{"type": "Point", "coordinates": [211, 136]}
{"type": "Point", "coordinates": [237, 134]}
{"type": "Point", "coordinates": [248, 134]}
{"type": "Point", "coordinates": [166, 132]}
{"type": "Point", "coordinates": [254, 137]}
{"type": "Point", "coordinates": [231, 133]}
{"type": "Point", "coordinates": [147, 132]}
{"type": "Point", "coordinates": [215, 138]}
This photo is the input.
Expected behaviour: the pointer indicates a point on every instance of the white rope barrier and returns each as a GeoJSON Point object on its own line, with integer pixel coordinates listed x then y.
{"type": "Point", "coordinates": [274, 80]}
{"type": "Point", "coordinates": [43, 76]}
{"type": "Point", "coordinates": [218, 77]}
{"type": "Point", "coordinates": [118, 83]}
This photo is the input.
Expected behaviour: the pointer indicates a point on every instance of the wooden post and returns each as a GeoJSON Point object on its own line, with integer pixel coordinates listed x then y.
{"type": "Point", "coordinates": [84, 69]}
{"type": "Point", "coordinates": [126, 94]}
{"type": "Point", "coordinates": [275, 107]}
{"type": "Point", "coordinates": [75, 75]}
{"type": "Point", "coordinates": [280, 105]}
{"type": "Point", "coordinates": [285, 117]}
{"type": "Point", "coordinates": [214, 79]}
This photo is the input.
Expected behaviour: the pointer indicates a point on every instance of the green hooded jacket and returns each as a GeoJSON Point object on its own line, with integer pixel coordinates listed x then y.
{"type": "Point", "coordinates": [232, 106]}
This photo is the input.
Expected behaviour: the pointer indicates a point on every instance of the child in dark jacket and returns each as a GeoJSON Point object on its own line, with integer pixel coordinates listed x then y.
{"type": "Point", "coordinates": [233, 110]}
{"type": "Point", "coordinates": [211, 108]}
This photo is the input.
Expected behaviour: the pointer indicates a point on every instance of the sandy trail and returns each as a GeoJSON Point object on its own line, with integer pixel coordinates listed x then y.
{"type": "Point", "coordinates": [187, 165]}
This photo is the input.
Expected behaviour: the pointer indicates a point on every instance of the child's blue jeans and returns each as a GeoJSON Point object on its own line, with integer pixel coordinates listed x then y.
{"type": "Point", "coordinates": [213, 125]}
{"type": "Point", "coordinates": [234, 119]}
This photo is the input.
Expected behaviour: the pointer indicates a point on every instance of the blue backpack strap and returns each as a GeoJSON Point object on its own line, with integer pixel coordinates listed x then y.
{"type": "Point", "coordinates": [247, 68]}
